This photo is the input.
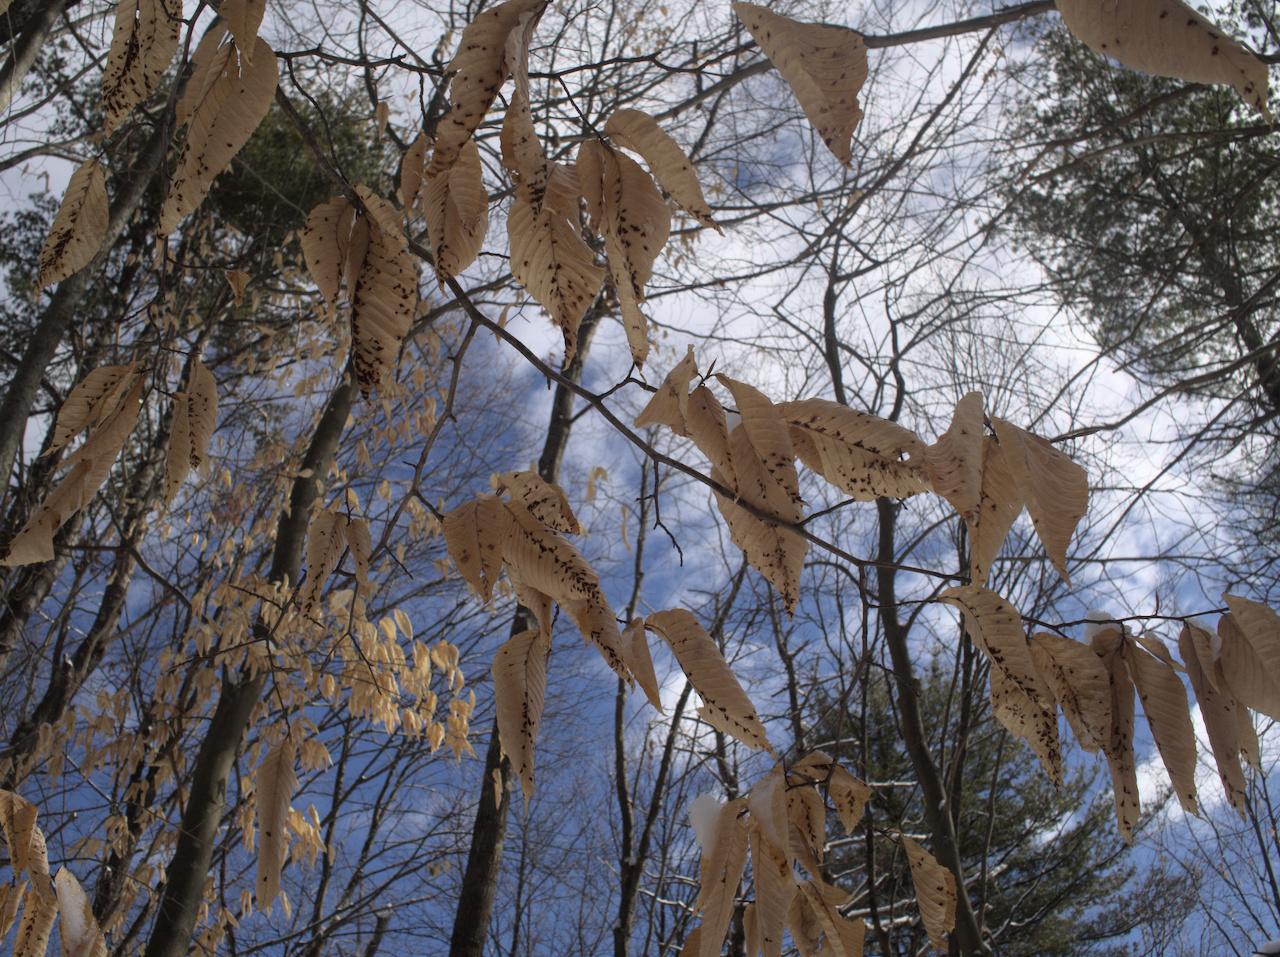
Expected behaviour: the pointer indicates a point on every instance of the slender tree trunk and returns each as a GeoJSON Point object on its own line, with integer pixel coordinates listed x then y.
{"type": "Point", "coordinates": [23, 56]}
{"type": "Point", "coordinates": [189, 868]}
{"type": "Point", "coordinates": [488, 832]}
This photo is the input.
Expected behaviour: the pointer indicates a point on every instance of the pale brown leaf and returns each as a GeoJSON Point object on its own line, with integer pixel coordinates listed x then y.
{"type": "Point", "coordinates": [1168, 38]}
{"type": "Point", "coordinates": [455, 205]}
{"type": "Point", "coordinates": [825, 67]}
{"type": "Point", "coordinates": [326, 540]}
{"type": "Point", "coordinates": [92, 400]}
{"type": "Point", "coordinates": [142, 45]}
{"type": "Point", "coordinates": [78, 929]}
{"type": "Point", "coordinates": [519, 690]}
{"type": "Point", "coordinates": [1218, 709]}
{"type": "Point", "coordinates": [775, 886]}
{"type": "Point", "coordinates": [935, 888]}
{"type": "Point", "coordinates": [220, 118]}
{"type": "Point", "coordinates": [79, 228]}
{"type": "Point", "coordinates": [1055, 488]}
{"type": "Point", "coordinates": [669, 405]}
{"type": "Point", "coordinates": [477, 71]}
{"type": "Point", "coordinates": [475, 534]}
{"type": "Point", "coordinates": [243, 17]}
{"type": "Point", "coordinates": [1080, 685]}
{"type": "Point", "coordinates": [720, 873]}
{"type": "Point", "coordinates": [1250, 680]}
{"type": "Point", "coordinates": [709, 673]}
{"type": "Point", "coordinates": [544, 500]}
{"type": "Point", "coordinates": [11, 896]}
{"type": "Point", "coordinates": [325, 240]}
{"type": "Point", "coordinates": [598, 623]}
{"type": "Point", "coordinates": [1118, 745]}
{"type": "Point", "coordinates": [38, 913]}
{"type": "Point", "coordinates": [274, 787]}
{"type": "Point", "coordinates": [998, 505]}
{"type": "Point", "coordinates": [384, 293]}
{"type": "Point", "coordinates": [1164, 702]}
{"type": "Point", "coordinates": [238, 280]}
{"type": "Point", "coordinates": [639, 132]}
{"type": "Point", "coordinates": [635, 652]}
{"type": "Point", "coordinates": [859, 453]}
{"type": "Point", "coordinates": [953, 463]}
{"type": "Point", "coordinates": [413, 167]}
{"type": "Point", "coordinates": [542, 560]}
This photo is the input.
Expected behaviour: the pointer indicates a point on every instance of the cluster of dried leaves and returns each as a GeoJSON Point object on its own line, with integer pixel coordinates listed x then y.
{"type": "Point", "coordinates": [986, 468]}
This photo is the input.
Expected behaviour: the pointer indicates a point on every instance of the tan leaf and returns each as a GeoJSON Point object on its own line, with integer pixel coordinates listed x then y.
{"type": "Point", "coordinates": [455, 205]}
{"type": "Point", "coordinates": [522, 154]}
{"type": "Point", "coordinates": [92, 400]}
{"type": "Point", "coordinates": [1080, 685]}
{"type": "Point", "coordinates": [1247, 676]}
{"type": "Point", "coordinates": [775, 886]}
{"type": "Point", "coordinates": [669, 405]}
{"type": "Point", "coordinates": [86, 471]}
{"type": "Point", "coordinates": [935, 893]}
{"type": "Point", "coordinates": [413, 167]}
{"type": "Point", "coordinates": [275, 784]}
{"type": "Point", "coordinates": [550, 260]}
{"type": "Point", "coordinates": [1261, 627]}
{"type": "Point", "coordinates": [543, 560]}
{"type": "Point", "coordinates": [1218, 708]}
{"type": "Point", "coordinates": [563, 190]}
{"type": "Point", "coordinates": [519, 690]}
{"type": "Point", "coordinates": [360, 544]}
{"type": "Point", "coordinates": [635, 652]}
{"type": "Point", "coordinates": [384, 293]}
{"type": "Point", "coordinates": [11, 896]}
{"type": "Point", "coordinates": [18, 821]}
{"type": "Point", "coordinates": [326, 540]}
{"type": "Point", "coordinates": [1020, 697]}
{"type": "Point", "coordinates": [78, 929]}
{"type": "Point", "coordinates": [80, 226]}
{"type": "Point", "coordinates": [326, 240]}
{"type": "Point", "coordinates": [475, 534]}
{"type": "Point", "coordinates": [709, 673]}
{"type": "Point", "coordinates": [38, 913]}
{"type": "Point", "coordinates": [599, 626]}
{"type": "Point", "coordinates": [243, 17]}
{"type": "Point", "coordinates": [751, 930]}
{"type": "Point", "coordinates": [823, 900]}
{"type": "Point", "coordinates": [1118, 745]}
{"type": "Point", "coordinates": [544, 500]}
{"type": "Point", "coordinates": [767, 803]}
{"type": "Point", "coordinates": [850, 796]}
{"type": "Point", "coordinates": [477, 72]}
{"type": "Point", "coordinates": [999, 504]}
{"type": "Point", "coordinates": [720, 874]}
{"type": "Point", "coordinates": [238, 280]}
{"type": "Point", "coordinates": [825, 67]}
{"type": "Point", "coordinates": [1164, 702]}
{"type": "Point", "coordinates": [220, 118]}
{"type": "Point", "coordinates": [195, 415]}
{"type": "Point", "coordinates": [806, 931]}
{"type": "Point", "coordinates": [142, 45]}
{"type": "Point", "coordinates": [177, 456]}
{"type": "Point", "coordinates": [1168, 38]}
{"type": "Point", "coordinates": [630, 214]}
{"type": "Point", "coordinates": [639, 132]}
{"type": "Point", "coordinates": [764, 475]}
{"type": "Point", "coordinates": [953, 463]}
{"type": "Point", "coordinates": [1055, 488]}
{"type": "Point", "coordinates": [807, 834]}
{"type": "Point", "coordinates": [860, 454]}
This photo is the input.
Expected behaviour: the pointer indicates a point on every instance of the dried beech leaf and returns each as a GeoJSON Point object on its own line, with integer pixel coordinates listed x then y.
{"type": "Point", "coordinates": [522, 153]}
{"type": "Point", "coordinates": [1251, 682]}
{"type": "Point", "coordinates": [935, 893]}
{"type": "Point", "coordinates": [1055, 488]}
{"type": "Point", "coordinates": [476, 73]}
{"type": "Point", "coordinates": [850, 796]}
{"type": "Point", "coordinates": [807, 833]}
{"type": "Point", "coordinates": [825, 67]}
{"type": "Point", "coordinates": [1168, 38]}
{"type": "Point", "coordinates": [243, 17]}
{"type": "Point", "coordinates": [142, 45]}
{"type": "Point", "coordinates": [1218, 709]}
{"type": "Point", "coordinates": [1080, 685]}
{"type": "Point", "coordinates": [860, 454]}
{"type": "Point", "coordinates": [1028, 719]}
{"type": "Point", "coordinates": [720, 874]}
{"type": "Point", "coordinates": [635, 652]}
{"type": "Point", "coordinates": [1261, 626]}
{"type": "Point", "coordinates": [599, 626]}
{"type": "Point", "coordinates": [542, 560]}
{"type": "Point", "coordinates": [413, 166]}
{"type": "Point", "coordinates": [638, 131]}
{"type": "Point", "coordinates": [544, 500]}
{"type": "Point", "coordinates": [220, 118]}
{"type": "Point", "coordinates": [86, 471]}
{"type": "Point", "coordinates": [455, 205]}
{"type": "Point", "coordinates": [325, 241]}
{"type": "Point", "coordinates": [633, 219]}
{"type": "Point", "coordinates": [238, 280]}
{"type": "Point", "coordinates": [954, 462]}
{"type": "Point", "coordinates": [519, 690]}
{"type": "Point", "coordinates": [550, 260]}
{"type": "Point", "coordinates": [823, 900]}
{"type": "Point", "coordinates": [670, 404]}
{"type": "Point", "coordinates": [93, 398]}
{"type": "Point", "coordinates": [11, 896]}
{"type": "Point", "coordinates": [360, 544]}
{"type": "Point", "coordinates": [475, 534]}
{"type": "Point", "coordinates": [195, 415]}
{"type": "Point", "coordinates": [563, 190]}
{"type": "Point", "coordinates": [999, 504]}
{"type": "Point", "coordinates": [78, 929]}
{"type": "Point", "coordinates": [806, 931]}
{"type": "Point", "coordinates": [1118, 745]}
{"type": "Point", "coordinates": [274, 786]}
{"type": "Point", "coordinates": [326, 540]}
{"type": "Point", "coordinates": [709, 673]}
{"type": "Point", "coordinates": [38, 913]}
{"type": "Point", "coordinates": [1164, 702]}
{"type": "Point", "coordinates": [79, 228]}
{"type": "Point", "coordinates": [383, 291]}
{"type": "Point", "coordinates": [18, 821]}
